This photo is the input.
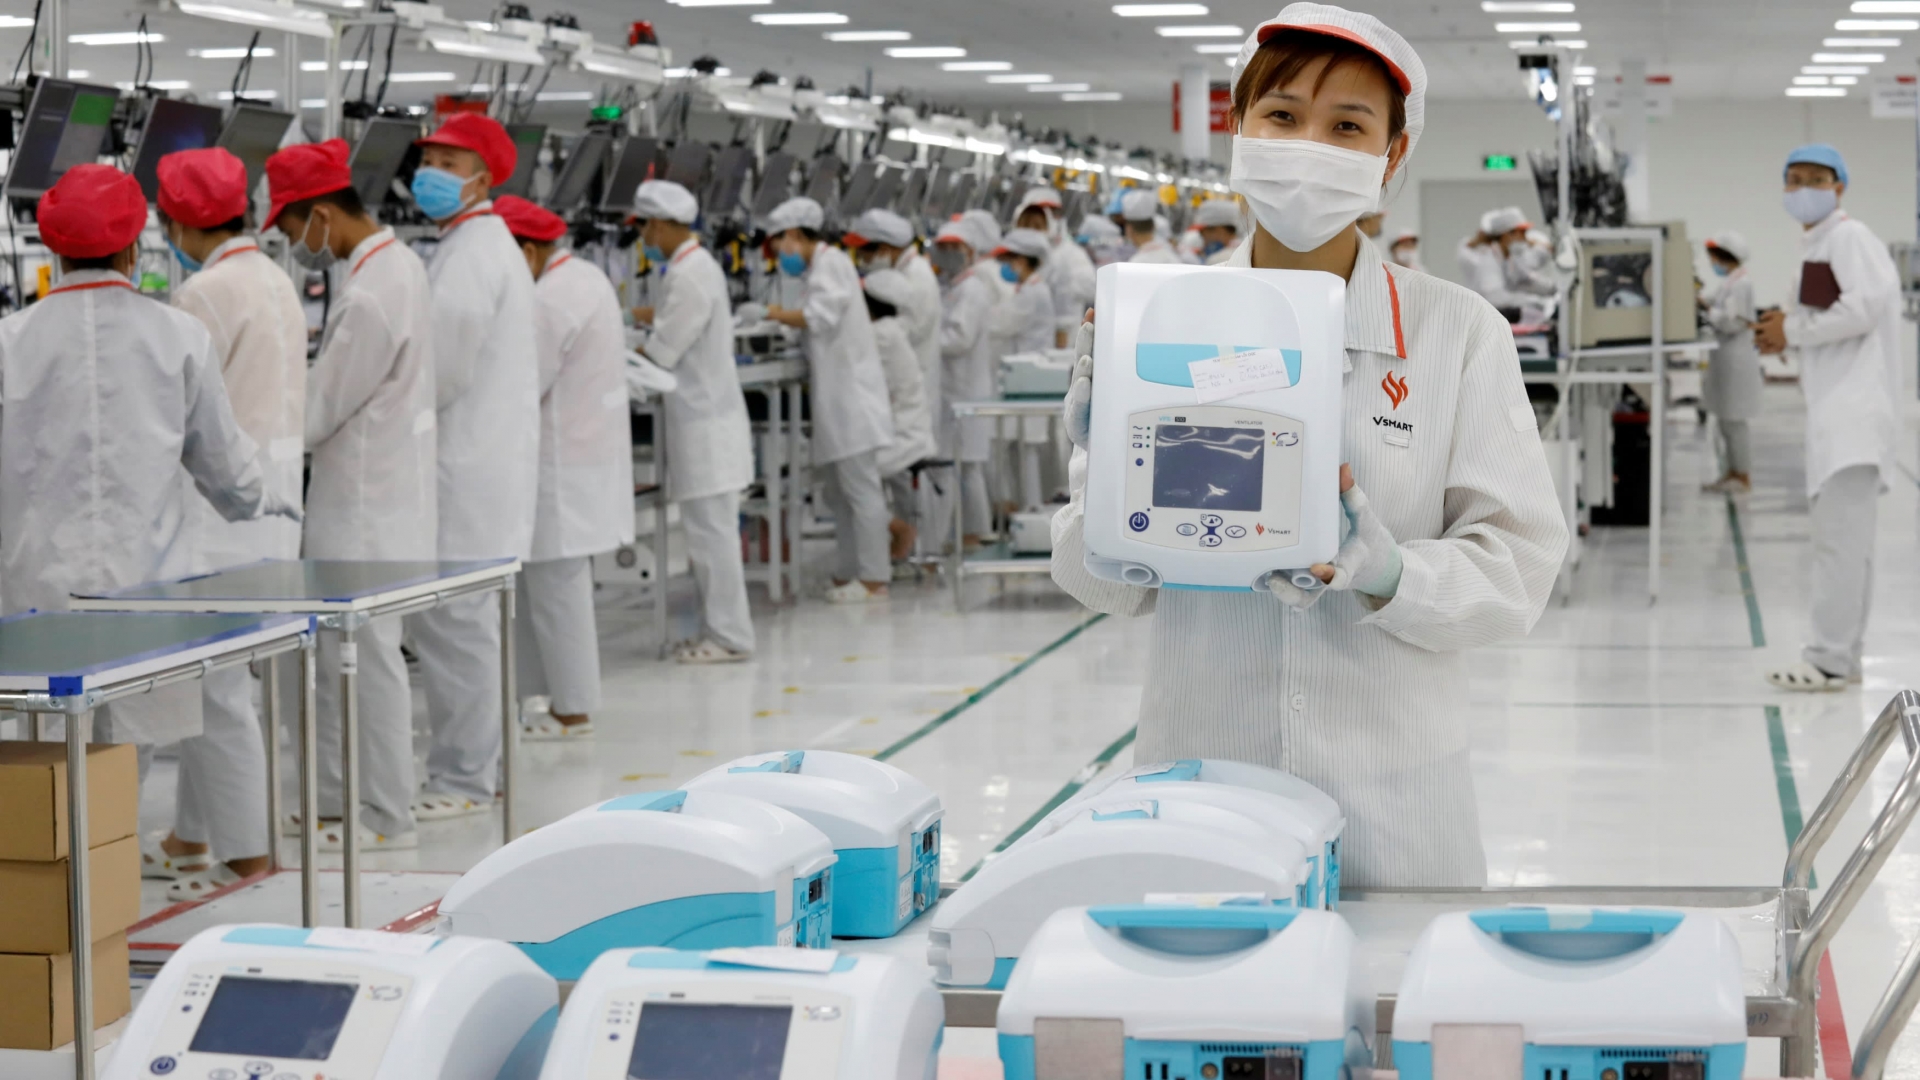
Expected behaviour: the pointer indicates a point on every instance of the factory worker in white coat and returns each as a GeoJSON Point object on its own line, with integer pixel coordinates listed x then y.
{"type": "Point", "coordinates": [889, 296]}
{"type": "Point", "coordinates": [107, 395]}
{"type": "Point", "coordinates": [1068, 268]}
{"type": "Point", "coordinates": [709, 441]}
{"type": "Point", "coordinates": [1102, 241]}
{"type": "Point", "coordinates": [847, 392]}
{"type": "Point", "coordinates": [486, 379]}
{"type": "Point", "coordinates": [372, 491]}
{"type": "Point", "coordinates": [1139, 208]}
{"type": "Point", "coordinates": [586, 474]}
{"type": "Point", "coordinates": [1024, 322]}
{"type": "Point", "coordinates": [1731, 390]}
{"type": "Point", "coordinates": [250, 309]}
{"type": "Point", "coordinates": [1358, 687]}
{"type": "Point", "coordinates": [1220, 225]}
{"type": "Point", "coordinates": [967, 357]}
{"type": "Point", "coordinates": [883, 240]}
{"type": "Point", "coordinates": [1845, 322]}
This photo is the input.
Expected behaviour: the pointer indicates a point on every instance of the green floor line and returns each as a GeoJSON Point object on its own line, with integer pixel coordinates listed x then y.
{"type": "Point", "coordinates": [1081, 779]}
{"type": "Point", "coordinates": [979, 695]}
{"type": "Point", "coordinates": [1783, 775]}
{"type": "Point", "coordinates": [1754, 625]}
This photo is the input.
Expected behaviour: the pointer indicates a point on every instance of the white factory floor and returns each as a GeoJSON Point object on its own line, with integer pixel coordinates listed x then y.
{"type": "Point", "coordinates": [1621, 743]}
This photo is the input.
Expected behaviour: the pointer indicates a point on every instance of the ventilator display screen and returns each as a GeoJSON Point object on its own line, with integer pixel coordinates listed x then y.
{"type": "Point", "coordinates": [679, 1041]}
{"type": "Point", "coordinates": [1208, 468]}
{"type": "Point", "coordinates": [274, 1018]}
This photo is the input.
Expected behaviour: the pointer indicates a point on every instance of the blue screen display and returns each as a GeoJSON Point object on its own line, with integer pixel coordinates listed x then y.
{"type": "Point", "coordinates": [680, 1041]}
{"type": "Point", "coordinates": [274, 1018]}
{"type": "Point", "coordinates": [1208, 468]}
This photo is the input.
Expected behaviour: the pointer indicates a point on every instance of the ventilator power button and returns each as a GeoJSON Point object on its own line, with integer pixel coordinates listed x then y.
{"type": "Point", "coordinates": [1138, 521]}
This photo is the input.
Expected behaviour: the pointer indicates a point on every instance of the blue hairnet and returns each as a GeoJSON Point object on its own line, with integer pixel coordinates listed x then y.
{"type": "Point", "coordinates": [1820, 154]}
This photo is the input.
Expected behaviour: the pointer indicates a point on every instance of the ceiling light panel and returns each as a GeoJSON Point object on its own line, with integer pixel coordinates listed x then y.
{"type": "Point", "coordinates": [1158, 11]}
{"type": "Point", "coordinates": [1179, 31]}
{"type": "Point", "coordinates": [1860, 25]}
{"type": "Point", "coordinates": [1033, 78]}
{"type": "Point", "coordinates": [1849, 58]}
{"type": "Point", "coordinates": [345, 65]}
{"type": "Point", "coordinates": [421, 76]}
{"type": "Point", "coordinates": [1537, 28]}
{"type": "Point", "coordinates": [976, 65]}
{"type": "Point", "coordinates": [926, 52]}
{"type": "Point", "coordinates": [228, 54]}
{"type": "Point", "coordinates": [801, 18]}
{"type": "Point", "coordinates": [1816, 91]}
{"type": "Point", "coordinates": [1504, 7]}
{"type": "Point", "coordinates": [1862, 43]}
{"type": "Point", "coordinates": [868, 35]}
{"type": "Point", "coordinates": [1886, 7]}
{"type": "Point", "coordinates": [118, 37]}
{"type": "Point", "coordinates": [1834, 69]}
{"type": "Point", "coordinates": [1058, 88]}
{"type": "Point", "coordinates": [1574, 44]}
{"type": "Point", "coordinates": [1213, 48]}
{"type": "Point", "coordinates": [1102, 95]}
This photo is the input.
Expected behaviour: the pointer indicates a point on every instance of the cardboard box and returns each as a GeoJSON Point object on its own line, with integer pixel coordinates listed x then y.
{"type": "Point", "coordinates": [36, 995]}
{"type": "Point", "coordinates": [33, 798]}
{"type": "Point", "coordinates": [34, 897]}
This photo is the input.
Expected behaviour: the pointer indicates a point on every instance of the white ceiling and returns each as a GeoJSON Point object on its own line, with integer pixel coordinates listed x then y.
{"type": "Point", "coordinates": [1711, 48]}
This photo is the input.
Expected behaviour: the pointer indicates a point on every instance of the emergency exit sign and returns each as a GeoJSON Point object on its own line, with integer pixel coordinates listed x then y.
{"type": "Point", "coordinates": [1499, 163]}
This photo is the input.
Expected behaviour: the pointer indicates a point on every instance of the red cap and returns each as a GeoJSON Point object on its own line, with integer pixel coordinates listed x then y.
{"type": "Point", "coordinates": [203, 188]}
{"type": "Point", "coordinates": [304, 172]}
{"type": "Point", "coordinates": [94, 211]}
{"type": "Point", "coordinates": [484, 136]}
{"type": "Point", "coordinates": [529, 222]}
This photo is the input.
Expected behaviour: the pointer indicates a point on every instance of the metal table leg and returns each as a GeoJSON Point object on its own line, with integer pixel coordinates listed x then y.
{"type": "Point", "coordinates": [80, 924]}
{"type": "Point", "coordinates": [309, 786]}
{"type": "Point", "coordinates": [775, 523]}
{"type": "Point", "coordinates": [350, 773]}
{"type": "Point", "coordinates": [509, 707]}
{"type": "Point", "coordinates": [270, 690]}
{"type": "Point", "coordinates": [796, 488]}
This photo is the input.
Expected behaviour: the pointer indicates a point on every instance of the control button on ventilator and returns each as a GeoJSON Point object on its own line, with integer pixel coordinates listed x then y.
{"type": "Point", "coordinates": [1235, 532]}
{"type": "Point", "coordinates": [1138, 521]}
{"type": "Point", "coordinates": [1211, 521]}
{"type": "Point", "coordinates": [161, 1065]}
{"type": "Point", "coordinates": [1211, 540]}
{"type": "Point", "coordinates": [1186, 528]}
{"type": "Point", "coordinates": [258, 1068]}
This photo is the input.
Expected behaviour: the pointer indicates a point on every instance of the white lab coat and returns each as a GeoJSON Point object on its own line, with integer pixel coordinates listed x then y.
{"type": "Point", "coordinates": [1368, 699]}
{"type": "Point", "coordinates": [252, 312]}
{"type": "Point", "coordinates": [1024, 320]}
{"type": "Point", "coordinates": [709, 441]}
{"type": "Point", "coordinates": [968, 358]}
{"type": "Point", "coordinates": [1849, 353]}
{"type": "Point", "coordinates": [1155, 250]}
{"type": "Point", "coordinates": [1069, 274]}
{"type": "Point", "coordinates": [487, 385]}
{"type": "Point", "coordinates": [1484, 270]}
{"type": "Point", "coordinates": [1731, 389]}
{"type": "Point", "coordinates": [104, 395]}
{"type": "Point", "coordinates": [586, 443]}
{"type": "Point", "coordinates": [370, 412]}
{"type": "Point", "coordinates": [848, 391]}
{"type": "Point", "coordinates": [922, 318]}
{"type": "Point", "coordinates": [906, 392]}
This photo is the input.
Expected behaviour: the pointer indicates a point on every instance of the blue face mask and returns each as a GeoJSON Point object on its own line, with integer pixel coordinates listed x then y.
{"type": "Point", "coordinates": [792, 265]}
{"type": "Point", "coordinates": [654, 254]}
{"type": "Point", "coordinates": [191, 264]}
{"type": "Point", "coordinates": [1008, 274]}
{"type": "Point", "coordinates": [1809, 205]}
{"type": "Point", "coordinates": [1719, 270]}
{"type": "Point", "coordinates": [1212, 247]}
{"type": "Point", "coordinates": [438, 193]}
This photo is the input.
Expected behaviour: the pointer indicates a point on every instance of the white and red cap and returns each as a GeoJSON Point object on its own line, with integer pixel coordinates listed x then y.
{"type": "Point", "coordinates": [1217, 212]}
{"type": "Point", "coordinates": [1139, 205]}
{"type": "Point", "coordinates": [1730, 242]}
{"type": "Point", "coordinates": [1029, 242]}
{"type": "Point", "coordinates": [1037, 196]}
{"type": "Point", "coordinates": [1363, 30]}
{"type": "Point", "coordinates": [955, 232]}
{"type": "Point", "coordinates": [1504, 220]}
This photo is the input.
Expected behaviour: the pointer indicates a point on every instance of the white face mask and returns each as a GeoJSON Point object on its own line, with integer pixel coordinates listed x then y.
{"type": "Point", "coordinates": [1303, 192]}
{"type": "Point", "coordinates": [1811, 205]}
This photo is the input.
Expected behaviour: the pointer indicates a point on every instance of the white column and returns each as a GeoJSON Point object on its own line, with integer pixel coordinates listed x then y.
{"type": "Point", "coordinates": [1632, 130]}
{"type": "Point", "coordinates": [1195, 92]}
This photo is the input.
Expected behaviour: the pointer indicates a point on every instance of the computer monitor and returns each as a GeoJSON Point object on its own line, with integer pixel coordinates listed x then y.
{"type": "Point", "coordinates": [526, 143]}
{"type": "Point", "coordinates": [776, 183]}
{"type": "Point", "coordinates": [860, 189]}
{"type": "Point", "coordinates": [252, 134]}
{"type": "Point", "coordinates": [576, 174]}
{"type": "Point", "coordinates": [67, 125]}
{"type": "Point", "coordinates": [913, 192]}
{"type": "Point", "coordinates": [377, 157]}
{"type": "Point", "coordinates": [885, 188]}
{"type": "Point", "coordinates": [729, 177]}
{"type": "Point", "coordinates": [172, 126]}
{"type": "Point", "coordinates": [634, 164]}
{"type": "Point", "coordinates": [823, 179]}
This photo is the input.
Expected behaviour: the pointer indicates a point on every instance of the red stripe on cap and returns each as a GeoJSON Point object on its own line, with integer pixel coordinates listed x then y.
{"type": "Point", "coordinates": [1341, 32]}
{"type": "Point", "coordinates": [854, 239]}
{"type": "Point", "coordinates": [1393, 298]}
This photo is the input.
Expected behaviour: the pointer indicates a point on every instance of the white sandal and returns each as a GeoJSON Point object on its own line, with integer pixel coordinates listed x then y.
{"type": "Point", "coordinates": [854, 592]}
{"type": "Point", "coordinates": [439, 806]}
{"type": "Point", "coordinates": [709, 651]}
{"type": "Point", "coordinates": [1804, 678]}
{"type": "Point", "coordinates": [332, 839]}
{"type": "Point", "coordinates": [290, 824]}
{"type": "Point", "coordinates": [200, 885]}
{"type": "Point", "coordinates": [157, 865]}
{"type": "Point", "coordinates": [547, 729]}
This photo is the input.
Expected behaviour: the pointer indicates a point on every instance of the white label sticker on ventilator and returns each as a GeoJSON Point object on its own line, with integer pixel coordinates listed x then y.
{"type": "Point", "coordinates": [375, 941]}
{"type": "Point", "coordinates": [816, 961]}
{"type": "Point", "coordinates": [1246, 372]}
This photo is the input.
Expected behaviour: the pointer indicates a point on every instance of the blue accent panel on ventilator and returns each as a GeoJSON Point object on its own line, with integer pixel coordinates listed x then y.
{"type": "Point", "coordinates": [680, 960]}
{"type": "Point", "coordinates": [664, 801]}
{"type": "Point", "coordinates": [786, 763]}
{"type": "Point", "coordinates": [1166, 362]}
{"type": "Point", "coordinates": [1321, 1060]}
{"type": "Point", "coordinates": [284, 937]}
{"type": "Point", "coordinates": [1724, 1062]}
{"type": "Point", "coordinates": [714, 921]}
{"type": "Point", "coordinates": [530, 1053]}
{"type": "Point", "coordinates": [867, 890]}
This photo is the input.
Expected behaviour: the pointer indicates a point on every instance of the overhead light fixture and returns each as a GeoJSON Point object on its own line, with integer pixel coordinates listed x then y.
{"type": "Point", "coordinates": [616, 65]}
{"type": "Point", "coordinates": [720, 3]}
{"type": "Point", "coordinates": [801, 18]}
{"type": "Point", "coordinates": [1158, 11]}
{"type": "Point", "coordinates": [228, 54]}
{"type": "Point", "coordinates": [1586, 71]}
{"type": "Point", "coordinates": [1583, 80]}
{"type": "Point", "coordinates": [1058, 88]}
{"type": "Point", "coordinates": [1035, 78]}
{"type": "Point", "coordinates": [1886, 7]}
{"type": "Point", "coordinates": [313, 103]}
{"type": "Point", "coordinates": [565, 95]}
{"type": "Point", "coordinates": [1846, 80]}
{"type": "Point", "coordinates": [14, 22]}
{"type": "Point", "coordinates": [1862, 43]}
{"type": "Point", "coordinates": [155, 84]}
{"type": "Point", "coordinates": [481, 45]}
{"type": "Point", "coordinates": [1813, 80]}
{"type": "Point", "coordinates": [1101, 95]}
{"type": "Point", "coordinates": [261, 14]}
{"type": "Point", "coordinates": [1849, 58]}
{"type": "Point", "coordinates": [1499, 7]}
{"type": "Point", "coordinates": [421, 76]}
{"type": "Point", "coordinates": [1816, 91]}
{"type": "Point", "coordinates": [868, 35]}
{"type": "Point", "coordinates": [922, 138]}
{"type": "Point", "coordinates": [1528, 43]}
{"type": "Point", "coordinates": [1858, 25]}
{"type": "Point", "coordinates": [1200, 31]}
{"type": "Point", "coordinates": [926, 52]}
{"type": "Point", "coordinates": [688, 73]}
{"type": "Point", "coordinates": [1835, 69]}
{"type": "Point", "coordinates": [1217, 47]}
{"type": "Point", "coordinates": [345, 65]}
{"type": "Point", "coordinates": [1536, 28]}
{"type": "Point", "coordinates": [77, 73]}
{"type": "Point", "coordinates": [977, 65]}
{"type": "Point", "coordinates": [1041, 157]}
{"type": "Point", "coordinates": [245, 95]}
{"type": "Point", "coordinates": [118, 37]}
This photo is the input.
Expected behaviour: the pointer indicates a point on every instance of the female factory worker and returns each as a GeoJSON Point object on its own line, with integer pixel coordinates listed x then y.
{"type": "Point", "coordinates": [967, 355]}
{"type": "Point", "coordinates": [1141, 209]}
{"type": "Point", "coordinates": [1219, 223]}
{"type": "Point", "coordinates": [1024, 320]}
{"type": "Point", "coordinates": [586, 473]}
{"type": "Point", "coordinates": [1732, 390]}
{"type": "Point", "coordinates": [1358, 687]}
{"type": "Point", "coordinates": [709, 441]}
{"type": "Point", "coordinates": [370, 429]}
{"type": "Point", "coordinates": [883, 240]}
{"type": "Point", "coordinates": [890, 295]}
{"type": "Point", "coordinates": [1068, 268]}
{"type": "Point", "coordinates": [251, 310]}
{"type": "Point", "coordinates": [852, 421]}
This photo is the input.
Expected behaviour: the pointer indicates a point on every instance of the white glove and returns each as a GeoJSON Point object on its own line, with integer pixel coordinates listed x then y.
{"type": "Point", "coordinates": [274, 504]}
{"type": "Point", "coordinates": [1078, 408]}
{"type": "Point", "coordinates": [1369, 558]}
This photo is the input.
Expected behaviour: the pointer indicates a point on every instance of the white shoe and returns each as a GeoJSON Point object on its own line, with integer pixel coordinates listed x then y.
{"type": "Point", "coordinates": [439, 806]}
{"type": "Point", "coordinates": [1803, 677]}
{"type": "Point", "coordinates": [536, 705]}
{"type": "Point", "coordinates": [202, 884]}
{"type": "Point", "coordinates": [709, 651]}
{"type": "Point", "coordinates": [547, 729]}
{"type": "Point", "coordinates": [157, 865]}
{"type": "Point", "coordinates": [853, 592]}
{"type": "Point", "coordinates": [1728, 485]}
{"type": "Point", "coordinates": [333, 837]}
{"type": "Point", "coordinates": [290, 825]}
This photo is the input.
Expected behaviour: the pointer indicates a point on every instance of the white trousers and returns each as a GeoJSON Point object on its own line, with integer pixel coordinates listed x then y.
{"type": "Point", "coordinates": [860, 518]}
{"type": "Point", "coordinates": [976, 509]}
{"type": "Point", "coordinates": [1845, 512]}
{"type": "Point", "coordinates": [559, 646]}
{"type": "Point", "coordinates": [712, 525]}
{"type": "Point", "coordinates": [386, 728]}
{"type": "Point", "coordinates": [1739, 438]}
{"type": "Point", "coordinates": [459, 647]}
{"type": "Point", "coordinates": [221, 794]}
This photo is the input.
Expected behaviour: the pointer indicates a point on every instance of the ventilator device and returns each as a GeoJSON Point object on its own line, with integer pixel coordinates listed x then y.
{"type": "Point", "coordinates": [883, 823]}
{"type": "Point", "coordinates": [683, 869]}
{"type": "Point", "coordinates": [1114, 851]}
{"type": "Point", "coordinates": [748, 1014]}
{"type": "Point", "coordinates": [1215, 435]}
{"type": "Point", "coordinates": [1584, 993]}
{"type": "Point", "coordinates": [285, 1003]}
{"type": "Point", "coordinates": [1136, 991]}
{"type": "Point", "coordinates": [1307, 813]}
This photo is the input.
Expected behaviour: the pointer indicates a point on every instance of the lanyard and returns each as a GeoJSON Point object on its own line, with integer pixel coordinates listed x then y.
{"type": "Point", "coordinates": [382, 246]}
{"type": "Point", "coordinates": [456, 222]}
{"type": "Point", "coordinates": [563, 258]}
{"type": "Point", "coordinates": [233, 252]}
{"type": "Point", "coordinates": [675, 261]}
{"type": "Point", "coordinates": [92, 285]}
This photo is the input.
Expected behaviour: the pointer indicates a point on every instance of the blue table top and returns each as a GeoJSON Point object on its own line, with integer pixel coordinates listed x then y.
{"type": "Point", "coordinates": [65, 652]}
{"type": "Point", "coordinates": [313, 584]}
